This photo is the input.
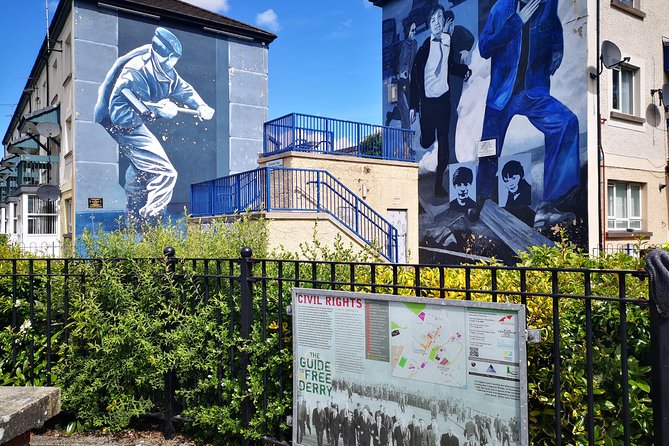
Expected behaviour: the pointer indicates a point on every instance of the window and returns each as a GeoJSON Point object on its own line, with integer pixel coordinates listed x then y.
{"type": "Point", "coordinates": [42, 216]}
{"type": "Point", "coordinates": [68, 216]}
{"type": "Point", "coordinates": [67, 59]}
{"type": "Point", "coordinates": [624, 206]}
{"type": "Point", "coordinates": [15, 218]}
{"type": "Point", "coordinates": [623, 89]}
{"type": "Point", "coordinates": [632, 7]}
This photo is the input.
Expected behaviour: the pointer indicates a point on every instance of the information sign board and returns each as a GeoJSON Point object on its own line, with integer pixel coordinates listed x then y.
{"type": "Point", "coordinates": [377, 369]}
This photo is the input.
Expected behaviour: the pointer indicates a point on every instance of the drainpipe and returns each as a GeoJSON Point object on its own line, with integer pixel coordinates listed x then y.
{"type": "Point", "coordinates": [600, 150]}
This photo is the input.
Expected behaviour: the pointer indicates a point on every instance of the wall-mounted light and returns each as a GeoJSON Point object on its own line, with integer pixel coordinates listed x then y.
{"type": "Point", "coordinates": [662, 186]}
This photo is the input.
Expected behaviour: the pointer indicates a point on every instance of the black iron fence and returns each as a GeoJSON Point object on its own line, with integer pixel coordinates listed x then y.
{"type": "Point", "coordinates": [212, 339]}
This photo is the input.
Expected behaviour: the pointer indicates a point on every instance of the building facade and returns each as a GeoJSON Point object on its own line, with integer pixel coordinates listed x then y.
{"type": "Point", "coordinates": [505, 98]}
{"type": "Point", "coordinates": [634, 122]}
{"type": "Point", "coordinates": [128, 103]}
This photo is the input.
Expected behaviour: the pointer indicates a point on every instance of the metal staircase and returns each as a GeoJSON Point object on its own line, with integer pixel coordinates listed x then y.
{"type": "Point", "coordinates": [302, 190]}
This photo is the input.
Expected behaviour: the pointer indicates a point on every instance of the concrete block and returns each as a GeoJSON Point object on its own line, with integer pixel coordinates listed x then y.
{"type": "Point", "coordinates": [248, 57]}
{"type": "Point", "coordinates": [23, 408]}
{"type": "Point", "coordinates": [244, 154]}
{"type": "Point", "coordinates": [248, 88]}
{"type": "Point", "coordinates": [99, 180]}
{"type": "Point", "coordinates": [95, 24]}
{"type": "Point", "coordinates": [247, 121]}
{"type": "Point", "coordinates": [103, 55]}
{"type": "Point", "coordinates": [93, 143]}
{"type": "Point", "coordinates": [86, 96]}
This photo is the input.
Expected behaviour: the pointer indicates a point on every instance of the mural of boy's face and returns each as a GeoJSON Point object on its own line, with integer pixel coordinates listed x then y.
{"type": "Point", "coordinates": [511, 183]}
{"type": "Point", "coordinates": [462, 191]}
{"type": "Point", "coordinates": [437, 23]}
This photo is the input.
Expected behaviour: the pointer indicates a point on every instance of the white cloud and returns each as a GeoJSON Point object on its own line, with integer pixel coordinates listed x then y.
{"type": "Point", "coordinates": [212, 5]}
{"type": "Point", "coordinates": [269, 20]}
{"type": "Point", "coordinates": [343, 30]}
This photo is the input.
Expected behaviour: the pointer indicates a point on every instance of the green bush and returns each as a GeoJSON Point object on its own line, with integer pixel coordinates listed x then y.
{"type": "Point", "coordinates": [131, 320]}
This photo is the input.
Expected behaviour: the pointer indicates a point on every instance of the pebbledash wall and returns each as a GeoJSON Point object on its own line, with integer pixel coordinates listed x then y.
{"type": "Point", "coordinates": [493, 212]}
{"type": "Point", "coordinates": [228, 73]}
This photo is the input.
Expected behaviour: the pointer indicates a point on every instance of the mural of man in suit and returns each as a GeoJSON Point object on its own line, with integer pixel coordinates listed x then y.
{"type": "Point", "coordinates": [524, 41]}
{"type": "Point", "coordinates": [430, 95]}
{"type": "Point", "coordinates": [140, 87]}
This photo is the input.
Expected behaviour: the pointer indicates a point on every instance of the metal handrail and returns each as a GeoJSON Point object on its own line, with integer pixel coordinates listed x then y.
{"type": "Point", "coordinates": [291, 189]}
{"type": "Point", "coordinates": [317, 134]}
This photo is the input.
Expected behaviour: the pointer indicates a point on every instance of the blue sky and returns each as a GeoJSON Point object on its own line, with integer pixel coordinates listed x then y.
{"type": "Point", "coordinates": [326, 60]}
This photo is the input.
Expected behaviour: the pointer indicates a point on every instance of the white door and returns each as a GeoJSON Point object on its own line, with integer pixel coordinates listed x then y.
{"type": "Point", "coordinates": [398, 218]}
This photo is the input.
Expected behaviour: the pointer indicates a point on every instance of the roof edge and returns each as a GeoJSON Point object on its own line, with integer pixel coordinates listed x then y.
{"type": "Point", "coordinates": [234, 28]}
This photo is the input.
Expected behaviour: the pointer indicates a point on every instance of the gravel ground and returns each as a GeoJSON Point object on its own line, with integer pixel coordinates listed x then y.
{"type": "Point", "coordinates": [125, 438]}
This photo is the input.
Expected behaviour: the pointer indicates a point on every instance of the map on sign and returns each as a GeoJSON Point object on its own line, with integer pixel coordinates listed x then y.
{"type": "Point", "coordinates": [428, 343]}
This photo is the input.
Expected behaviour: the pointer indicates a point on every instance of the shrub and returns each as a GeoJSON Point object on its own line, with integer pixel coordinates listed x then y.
{"type": "Point", "coordinates": [131, 320]}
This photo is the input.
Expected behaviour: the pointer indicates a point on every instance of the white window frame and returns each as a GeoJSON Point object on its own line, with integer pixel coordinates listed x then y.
{"type": "Point", "coordinates": [631, 3]}
{"type": "Point", "coordinates": [15, 218]}
{"type": "Point", "coordinates": [68, 215]}
{"type": "Point", "coordinates": [617, 74]}
{"type": "Point", "coordinates": [42, 216]}
{"type": "Point", "coordinates": [629, 221]}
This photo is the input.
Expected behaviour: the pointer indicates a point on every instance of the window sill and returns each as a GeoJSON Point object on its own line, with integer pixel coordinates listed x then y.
{"type": "Point", "coordinates": [636, 12]}
{"type": "Point", "coordinates": [625, 117]}
{"type": "Point", "coordinates": [629, 234]}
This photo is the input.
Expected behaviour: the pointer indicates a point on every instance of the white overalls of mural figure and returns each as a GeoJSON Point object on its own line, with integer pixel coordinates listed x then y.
{"type": "Point", "coordinates": [140, 87]}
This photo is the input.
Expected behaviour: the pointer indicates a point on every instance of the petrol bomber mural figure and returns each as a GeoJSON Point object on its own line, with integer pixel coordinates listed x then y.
{"type": "Point", "coordinates": [515, 122]}
{"type": "Point", "coordinates": [143, 86]}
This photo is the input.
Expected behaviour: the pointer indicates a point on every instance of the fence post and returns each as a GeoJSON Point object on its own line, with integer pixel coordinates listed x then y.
{"type": "Point", "coordinates": [659, 340]}
{"type": "Point", "coordinates": [170, 378]}
{"type": "Point", "coordinates": [318, 190]}
{"type": "Point", "coordinates": [246, 319]}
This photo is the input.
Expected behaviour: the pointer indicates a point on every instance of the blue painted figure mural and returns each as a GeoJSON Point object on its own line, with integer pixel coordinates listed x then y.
{"type": "Point", "coordinates": [140, 87]}
{"type": "Point", "coordinates": [523, 39]}
{"type": "Point", "coordinates": [503, 124]}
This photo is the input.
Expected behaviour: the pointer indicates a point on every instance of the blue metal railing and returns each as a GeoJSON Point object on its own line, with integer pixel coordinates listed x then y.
{"type": "Point", "coordinates": [306, 133]}
{"type": "Point", "coordinates": [288, 189]}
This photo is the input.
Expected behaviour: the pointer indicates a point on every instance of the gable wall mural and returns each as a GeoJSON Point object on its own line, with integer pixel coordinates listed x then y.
{"type": "Point", "coordinates": [495, 91]}
{"type": "Point", "coordinates": [153, 116]}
